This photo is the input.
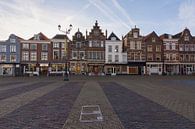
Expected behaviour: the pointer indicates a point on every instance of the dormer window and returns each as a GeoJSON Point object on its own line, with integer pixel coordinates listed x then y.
{"type": "Point", "coordinates": [153, 40]}
{"type": "Point", "coordinates": [12, 40]}
{"type": "Point", "coordinates": [135, 35]}
{"type": "Point", "coordinates": [36, 37]}
{"type": "Point", "coordinates": [96, 32]}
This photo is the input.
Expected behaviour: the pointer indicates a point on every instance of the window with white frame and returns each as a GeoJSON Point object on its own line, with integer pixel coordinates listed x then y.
{"type": "Point", "coordinates": [181, 48]}
{"type": "Point", "coordinates": [158, 48]}
{"type": "Point", "coordinates": [44, 47]}
{"type": "Point", "coordinates": [102, 43]}
{"type": "Point", "coordinates": [132, 45]}
{"type": "Point", "coordinates": [62, 44]}
{"type": "Point", "coordinates": [109, 48]}
{"type": "Point", "coordinates": [25, 46]}
{"type": "Point", "coordinates": [2, 48]}
{"type": "Point", "coordinates": [167, 46]}
{"type": "Point", "coordinates": [173, 46]}
{"type": "Point", "coordinates": [25, 56]}
{"type": "Point", "coordinates": [12, 48]}
{"type": "Point", "coordinates": [135, 34]}
{"type": "Point", "coordinates": [82, 55]}
{"type": "Point", "coordinates": [158, 57]}
{"type": "Point", "coordinates": [90, 43]}
{"type": "Point", "coordinates": [44, 56]}
{"type": "Point", "coordinates": [78, 44]}
{"type": "Point", "coordinates": [74, 54]}
{"type": "Point", "coordinates": [33, 46]}
{"type": "Point", "coordinates": [2, 58]}
{"type": "Point", "coordinates": [13, 58]}
{"type": "Point", "coordinates": [56, 54]}
{"type": "Point", "coordinates": [153, 39]}
{"type": "Point", "coordinates": [116, 48]}
{"type": "Point", "coordinates": [12, 40]}
{"type": "Point", "coordinates": [56, 45]}
{"type": "Point", "coordinates": [139, 45]}
{"type": "Point", "coordinates": [109, 58]}
{"type": "Point", "coordinates": [149, 48]}
{"type": "Point", "coordinates": [150, 57]}
{"type": "Point", "coordinates": [116, 58]}
{"type": "Point", "coordinates": [33, 56]}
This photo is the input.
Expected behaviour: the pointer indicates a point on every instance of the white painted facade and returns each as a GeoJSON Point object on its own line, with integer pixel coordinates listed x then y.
{"type": "Point", "coordinates": [114, 53]}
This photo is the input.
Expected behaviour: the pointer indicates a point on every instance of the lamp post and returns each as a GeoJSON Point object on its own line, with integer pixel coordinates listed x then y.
{"type": "Point", "coordinates": [66, 32]}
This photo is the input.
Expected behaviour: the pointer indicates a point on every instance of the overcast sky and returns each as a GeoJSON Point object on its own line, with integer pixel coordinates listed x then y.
{"type": "Point", "coordinates": [28, 17]}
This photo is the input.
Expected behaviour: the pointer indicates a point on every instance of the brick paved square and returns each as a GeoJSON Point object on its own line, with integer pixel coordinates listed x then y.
{"type": "Point", "coordinates": [126, 102]}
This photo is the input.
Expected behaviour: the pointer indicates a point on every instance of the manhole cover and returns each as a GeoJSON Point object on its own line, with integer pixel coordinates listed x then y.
{"type": "Point", "coordinates": [91, 113]}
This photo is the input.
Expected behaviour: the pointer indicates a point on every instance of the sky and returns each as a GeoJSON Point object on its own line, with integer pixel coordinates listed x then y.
{"type": "Point", "coordinates": [28, 17]}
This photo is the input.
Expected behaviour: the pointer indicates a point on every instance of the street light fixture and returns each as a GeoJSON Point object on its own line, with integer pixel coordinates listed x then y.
{"type": "Point", "coordinates": [66, 32]}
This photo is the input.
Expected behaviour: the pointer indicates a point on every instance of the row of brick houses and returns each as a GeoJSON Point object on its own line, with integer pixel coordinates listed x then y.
{"type": "Point", "coordinates": [95, 53]}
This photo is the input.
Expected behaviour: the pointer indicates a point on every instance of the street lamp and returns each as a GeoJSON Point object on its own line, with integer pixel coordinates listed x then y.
{"type": "Point", "coordinates": [66, 32]}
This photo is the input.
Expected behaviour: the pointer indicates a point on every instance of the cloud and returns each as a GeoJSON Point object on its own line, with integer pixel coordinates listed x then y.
{"type": "Point", "coordinates": [26, 17]}
{"type": "Point", "coordinates": [187, 13]}
{"type": "Point", "coordinates": [109, 13]}
{"type": "Point", "coordinates": [122, 10]}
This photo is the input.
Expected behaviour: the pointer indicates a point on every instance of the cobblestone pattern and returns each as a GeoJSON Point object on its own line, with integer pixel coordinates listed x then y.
{"type": "Point", "coordinates": [47, 112]}
{"type": "Point", "coordinates": [19, 90]}
{"type": "Point", "coordinates": [9, 83]}
{"type": "Point", "coordinates": [10, 104]}
{"type": "Point", "coordinates": [92, 94]}
{"type": "Point", "coordinates": [176, 97]}
{"type": "Point", "coordinates": [137, 112]}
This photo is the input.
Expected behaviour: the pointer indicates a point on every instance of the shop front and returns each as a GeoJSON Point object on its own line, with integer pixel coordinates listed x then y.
{"type": "Point", "coordinates": [136, 68]}
{"type": "Point", "coordinates": [7, 69]}
{"type": "Point", "coordinates": [96, 69]}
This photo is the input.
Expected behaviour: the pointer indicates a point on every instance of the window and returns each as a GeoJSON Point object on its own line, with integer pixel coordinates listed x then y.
{"type": "Point", "coordinates": [173, 46]}
{"type": "Point", "coordinates": [82, 55]}
{"type": "Point", "coordinates": [150, 57]}
{"type": "Point", "coordinates": [56, 55]}
{"type": "Point", "coordinates": [78, 44]}
{"type": "Point", "coordinates": [62, 44]}
{"type": "Point", "coordinates": [44, 47]}
{"type": "Point", "coordinates": [158, 48]}
{"type": "Point", "coordinates": [33, 56]}
{"type": "Point", "coordinates": [109, 48]}
{"type": "Point", "coordinates": [186, 47]}
{"type": "Point", "coordinates": [12, 58]}
{"type": "Point", "coordinates": [36, 37]}
{"type": "Point", "coordinates": [181, 58]}
{"type": "Point", "coordinates": [12, 48]}
{"type": "Point", "coordinates": [109, 58]}
{"type": "Point", "coordinates": [2, 48]}
{"type": "Point", "coordinates": [116, 58]}
{"type": "Point", "coordinates": [90, 43]}
{"type": "Point", "coordinates": [25, 56]}
{"type": "Point", "coordinates": [124, 58]}
{"type": "Point", "coordinates": [116, 48]}
{"type": "Point", "coordinates": [139, 45]}
{"type": "Point", "coordinates": [25, 46]}
{"type": "Point", "coordinates": [149, 48]}
{"type": "Point", "coordinates": [167, 47]}
{"type": "Point", "coordinates": [33, 46]}
{"type": "Point", "coordinates": [113, 38]}
{"type": "Point", "coordinates": [153, 40]}
{"type": "Point", "coordinates": [74, 54]}
{"type": "Point", "coordinates": [62, 54]}
{"type": "Point", "coordinates": [56, 45]}
{"type": "Point", "coordinates": [181, 48]}
{"type": "Point", "coordinates": [158, 57]}
{"type": "Point", "coordinates": [12, 40]}
{"type": "Point", "coordinates": [44, 56]}
{"type": "Point", "coordinates": [2, 58]}
{"type": "Point", "coordinates": [102, 43]}
{"type": "Point", "coordinates": [132, 45]}
{"type": "Point", "coordinates": [135, 35]}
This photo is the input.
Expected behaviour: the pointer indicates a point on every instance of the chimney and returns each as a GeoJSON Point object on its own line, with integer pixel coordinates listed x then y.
{"type": "Point", "coordinates": [86, 33]}
{"type": "Point", "coordinates": [106, 32]}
